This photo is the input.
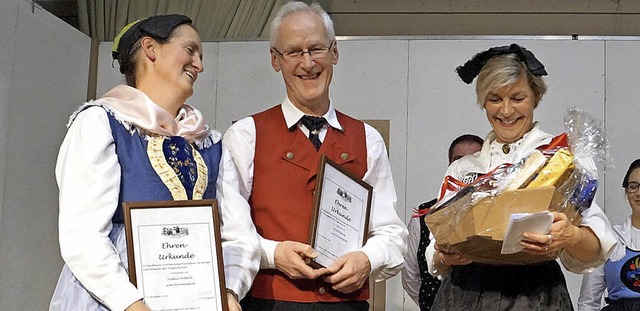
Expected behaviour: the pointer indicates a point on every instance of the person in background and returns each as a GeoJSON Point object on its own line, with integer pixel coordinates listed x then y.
{"type": "Point", "coordinates": [416, 280]}
{"type": "Point", "coordinates": [509, 87]}
{"type": "Point", "coordinates": [142, 142]}
{"type": "Point", "coordinates": [620, 275]}
{"type": "Point", "coordinates": [277, 152]}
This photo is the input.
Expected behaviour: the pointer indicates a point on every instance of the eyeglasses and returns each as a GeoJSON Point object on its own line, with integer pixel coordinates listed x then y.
{"type": "Point", "coordinates": [632, 187]}
{"type": "Point", "coordinates": [295, 55]}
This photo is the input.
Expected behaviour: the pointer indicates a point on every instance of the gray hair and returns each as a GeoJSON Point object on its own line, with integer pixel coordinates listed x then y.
{"type": "Point", "coordinates": [506, 70]}
{"type": "Point", "coordinates": [295, 7]}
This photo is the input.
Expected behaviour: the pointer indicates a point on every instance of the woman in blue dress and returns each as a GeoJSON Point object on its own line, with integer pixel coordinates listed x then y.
{"type": "Point", "coordinates": [142, 142]}
{"type": "Point", "coordinates": [620, 275]}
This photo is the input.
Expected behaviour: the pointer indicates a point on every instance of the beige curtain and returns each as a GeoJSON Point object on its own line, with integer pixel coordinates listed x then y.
{"type": "Point", "coordinates": [214, 19]}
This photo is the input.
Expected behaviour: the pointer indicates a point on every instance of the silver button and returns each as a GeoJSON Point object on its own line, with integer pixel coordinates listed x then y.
{"type": "Point", "coordinates": [290, 155]}
{"type": "Point", "coordinates": [344, 156]}
{"type": "Point", "coordinates": [322, 290]}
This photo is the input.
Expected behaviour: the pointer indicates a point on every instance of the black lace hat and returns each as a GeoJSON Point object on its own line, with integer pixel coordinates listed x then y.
{"type": "Point", "coordinates": [472, 67]}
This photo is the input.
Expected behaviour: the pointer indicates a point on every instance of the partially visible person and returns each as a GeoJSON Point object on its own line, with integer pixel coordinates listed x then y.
{"type": "Point", "coordinates": [416, 280]}
{"type": "Point", "coordinates": [142, 142]}
{"type": "Point", "coordinates": [277, 152]}
{"type": "Point", "coordinates": [620, 275]}
{"type": "Point", "coordinates": [509, 87]}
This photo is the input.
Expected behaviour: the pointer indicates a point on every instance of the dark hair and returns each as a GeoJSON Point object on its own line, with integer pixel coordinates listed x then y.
{"type": "Point", "coordinates": [634, 165]}
{"type": "Point", "coordinates": [127, 42]}
{"type": "Point", "coordinates": [466, 138]}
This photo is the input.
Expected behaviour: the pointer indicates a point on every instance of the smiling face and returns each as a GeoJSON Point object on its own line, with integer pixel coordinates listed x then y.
{"type": "Point", "coordinates": [179, 61]}
{"type": "Point", "coordinates": [509, 110]}
{"type": "Point", "coordinates": [308, 80]}
{"type": "Point", "coordinates": [634, 198]}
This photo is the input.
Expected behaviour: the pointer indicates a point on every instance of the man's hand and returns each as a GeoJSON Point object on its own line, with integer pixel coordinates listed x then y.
{"type": "Point", "coordinates": [290, 257]}
{"type": "Point", "coordinates": [233, 303]}
{"type": "Point", "coordinates": [349, 272]}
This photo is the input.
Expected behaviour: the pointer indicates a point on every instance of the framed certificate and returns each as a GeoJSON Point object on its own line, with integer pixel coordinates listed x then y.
{"type": "Point", "coordinates": [175, 254]}
{"type": "Point", "coordinates": [341, 217]}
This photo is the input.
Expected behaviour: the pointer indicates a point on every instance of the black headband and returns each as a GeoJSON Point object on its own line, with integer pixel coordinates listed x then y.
{"type": "Point", "coordinates": [472, 67]}
{"type": "Point", "coordinates": [158, 27]}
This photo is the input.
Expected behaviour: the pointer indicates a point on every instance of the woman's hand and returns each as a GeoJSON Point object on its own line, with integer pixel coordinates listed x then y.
{"type": "Point", "coordinates": [444, 260]}
{"type": "Point", "coordinates": [580, 242]}
{"type": "Point", "coordinates": [561, 234]}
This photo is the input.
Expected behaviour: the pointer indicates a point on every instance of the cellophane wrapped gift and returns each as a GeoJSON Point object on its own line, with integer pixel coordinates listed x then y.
{"type": "Point", "coordinates": [558, 177]}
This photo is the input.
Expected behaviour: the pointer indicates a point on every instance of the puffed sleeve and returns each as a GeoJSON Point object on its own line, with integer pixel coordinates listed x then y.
{"type": "Point", "coordinates": [592, 289]}
{"type": "Point", "coordinates": [88, 177]}
{"type": "Point", "coordinates": [595, 219]}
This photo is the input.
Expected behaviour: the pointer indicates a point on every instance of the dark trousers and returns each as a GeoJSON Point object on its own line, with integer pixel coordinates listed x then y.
{"type": "Point", "coordinates": [251, 304]}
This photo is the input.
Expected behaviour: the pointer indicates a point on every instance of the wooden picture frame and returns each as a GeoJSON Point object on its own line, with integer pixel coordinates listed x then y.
{"type": "Point", "coordinates": [175, 254]}
{"type": "Point", "coordinates": [342, 206]}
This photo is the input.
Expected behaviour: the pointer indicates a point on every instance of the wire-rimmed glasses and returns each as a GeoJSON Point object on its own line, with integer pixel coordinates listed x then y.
{"type": "Point", "coordinates": [296, 55]}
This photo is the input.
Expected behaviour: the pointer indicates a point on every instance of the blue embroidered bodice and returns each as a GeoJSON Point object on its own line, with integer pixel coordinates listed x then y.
{"type": "Point", "coordinates": [623, 276]}
{"type": "Point", "coordinates": [158, 168]}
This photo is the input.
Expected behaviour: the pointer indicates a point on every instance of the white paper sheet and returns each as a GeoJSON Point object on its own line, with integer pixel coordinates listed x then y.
{"type": "Point", "coordinates": [519, 223]}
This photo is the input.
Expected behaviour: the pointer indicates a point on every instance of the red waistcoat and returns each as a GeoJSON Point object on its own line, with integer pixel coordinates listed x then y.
{"type": "Point", "coordinates": [284, 178]}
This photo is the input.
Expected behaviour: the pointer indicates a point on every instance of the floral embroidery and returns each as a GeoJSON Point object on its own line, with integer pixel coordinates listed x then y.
{"type": "Point", "coordinates": [179, 165]}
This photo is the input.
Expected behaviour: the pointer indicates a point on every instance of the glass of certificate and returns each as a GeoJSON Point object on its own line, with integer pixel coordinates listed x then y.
{"type": "Point", "coordinates": [175, 254]}
{"type": "Point", "coordinates": [341, 217]}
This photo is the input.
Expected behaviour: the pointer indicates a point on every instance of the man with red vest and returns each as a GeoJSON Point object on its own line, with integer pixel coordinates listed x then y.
{"type": "Point", "coordinates": [277, 152]}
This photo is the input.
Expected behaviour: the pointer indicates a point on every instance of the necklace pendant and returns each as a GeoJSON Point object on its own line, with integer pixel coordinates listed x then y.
{"type": "Point", "coordinates": [506, 148]}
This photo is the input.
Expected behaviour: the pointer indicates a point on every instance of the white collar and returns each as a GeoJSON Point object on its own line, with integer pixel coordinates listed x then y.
{"type": "Point", "coordinates": [629, 235]}
{"type": "Point", "coordinates": [292, 115]}
{"type": "Point", "coordinates": [481, 162]}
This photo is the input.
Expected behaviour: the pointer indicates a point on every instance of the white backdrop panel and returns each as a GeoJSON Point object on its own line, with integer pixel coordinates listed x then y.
{"type": "Point", "coordinates": [622, 121]}
{"type": "Point", "coordinates": [7, 23]}
{"type": "Point", "coordinates": [49, 66]}
{"type": "Point", "coordinates": [108, 72]}
{"type": "Point", "coordinates": [247, 83]}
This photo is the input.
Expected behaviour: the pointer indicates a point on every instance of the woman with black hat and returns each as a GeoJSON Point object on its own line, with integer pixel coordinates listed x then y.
{"type": "Point", "coordinates": [141, 142]}
{"type": "Point", "coordinates": [509, 87]}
